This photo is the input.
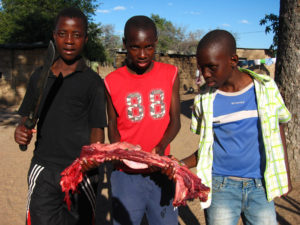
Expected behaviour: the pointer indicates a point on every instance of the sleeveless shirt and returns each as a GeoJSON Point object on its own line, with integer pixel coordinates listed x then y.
{"type": "Point", "coordinates": [142, 103]}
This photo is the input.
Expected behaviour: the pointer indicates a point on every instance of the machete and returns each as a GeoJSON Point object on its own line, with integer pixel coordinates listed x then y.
{"type": "Point", "coordinates": [33, 115]}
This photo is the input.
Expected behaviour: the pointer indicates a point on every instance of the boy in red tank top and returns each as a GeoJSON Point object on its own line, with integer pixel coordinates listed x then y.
{"type": "Point", "coordinates": [143, 109]}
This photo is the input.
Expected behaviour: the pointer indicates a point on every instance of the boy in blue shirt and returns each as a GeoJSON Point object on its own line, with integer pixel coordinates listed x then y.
{"type": "Point", "coordinates": [242, 153]}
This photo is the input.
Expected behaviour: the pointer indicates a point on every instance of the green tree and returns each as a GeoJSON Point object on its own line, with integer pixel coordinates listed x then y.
{"type": "Point", "coordinates": [271, 21]}
{"type": "Point", "coordinates": [28, 21]}
{"type": "Point", "coordinates": [110, 41]}
{"type": "Point", "coordinates": [94, 50]}
{"type": "Point", "coordinates": [190, 42]}
{"type": "Point", "coordinates": [169, 35]}
{"type": "Point", "coordinates": [175, 38]}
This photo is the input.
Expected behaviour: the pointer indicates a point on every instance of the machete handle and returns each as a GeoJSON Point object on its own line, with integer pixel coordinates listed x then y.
{"type": "Point", "coordinates": [23, 147]}
{"type": "Point", "coordinates": [29, 124]}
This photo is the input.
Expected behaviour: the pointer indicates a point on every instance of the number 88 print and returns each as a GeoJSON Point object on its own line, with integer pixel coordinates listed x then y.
{"type": "Point", "coordinates": [136, 110]}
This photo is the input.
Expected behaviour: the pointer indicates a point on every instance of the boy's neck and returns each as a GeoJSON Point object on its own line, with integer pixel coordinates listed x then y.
{"type": "Point", "coordinates": [61, 66]}
{"type": "Point", "coordinates": [237, 82]}
{"type": "Point", "coordinates": [133, 70]}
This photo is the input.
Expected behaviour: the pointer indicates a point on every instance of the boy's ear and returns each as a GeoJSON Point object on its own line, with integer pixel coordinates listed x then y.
{"type": "Point", "coordinates": [86, 39]}
{"type": "Point", "coordinates": [124, 42]}
{"type": "Point", "coordinates": [234, 60]}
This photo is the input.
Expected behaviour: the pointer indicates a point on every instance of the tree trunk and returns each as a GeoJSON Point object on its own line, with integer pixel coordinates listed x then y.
{"type": "Point", "coordinates": [287, 76]}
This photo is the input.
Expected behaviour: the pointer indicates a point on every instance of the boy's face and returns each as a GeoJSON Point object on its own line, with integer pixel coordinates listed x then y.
{"type": "Point", "coordinates": [216, 65]}
{"type": "Point", "coordinates": [140, 45]}
{"type": "Point", "coordinates": [70, 37]}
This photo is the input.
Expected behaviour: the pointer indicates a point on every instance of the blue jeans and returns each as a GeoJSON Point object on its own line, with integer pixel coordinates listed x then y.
{"type": "Point", "coordinates": [133, 195]}
{"type": "Point", "coordinates": [232, 198]}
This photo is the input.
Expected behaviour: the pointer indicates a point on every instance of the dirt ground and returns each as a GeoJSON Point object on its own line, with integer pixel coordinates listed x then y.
{"type": "Point", "coordinates": [14, 165]}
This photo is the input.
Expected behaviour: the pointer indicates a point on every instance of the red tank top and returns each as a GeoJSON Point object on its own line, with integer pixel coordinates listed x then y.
{"type": "Point", "coordinates": [142, 103]}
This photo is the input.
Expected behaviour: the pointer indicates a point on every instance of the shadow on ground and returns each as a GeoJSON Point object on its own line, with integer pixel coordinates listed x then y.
{"type": "Point", "coordinates": [8, 116]}
{"type": "Point", "coordinates": [185, 214]}
{"type": "Point", "coordinates": [288, 209]}
{"type": "Point", "coordinates": [186, 107]}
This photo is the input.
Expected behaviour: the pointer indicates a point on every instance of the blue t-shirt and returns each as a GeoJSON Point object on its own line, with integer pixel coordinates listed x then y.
{"type": "Point", "coordinates": [238, 145]}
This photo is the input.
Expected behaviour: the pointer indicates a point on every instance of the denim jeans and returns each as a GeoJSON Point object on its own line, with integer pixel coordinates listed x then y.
{"type": "Point", "coordinates": [232, 198]}
{"type": "Point", "coordinates": [133, 195]}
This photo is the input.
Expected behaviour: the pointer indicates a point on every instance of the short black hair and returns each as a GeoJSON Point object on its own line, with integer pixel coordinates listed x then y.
{"type": "Point", "coordinates": [72, 12]}
{"type": "Point", "coordinates": [140, 22]}
{"type": "Point", "coordinates": [218, 37]}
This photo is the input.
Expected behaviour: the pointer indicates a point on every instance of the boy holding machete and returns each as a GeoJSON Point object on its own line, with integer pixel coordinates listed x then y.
{"type": "Point", "coordinates": [71, 114]}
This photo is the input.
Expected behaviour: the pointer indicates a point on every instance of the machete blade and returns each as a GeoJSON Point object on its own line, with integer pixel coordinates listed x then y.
{"type": "Point", "coordinates": [41, 85]}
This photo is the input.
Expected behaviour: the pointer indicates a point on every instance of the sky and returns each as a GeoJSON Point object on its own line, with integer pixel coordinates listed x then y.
{"type": "Point", "coordinates": [237, 16]}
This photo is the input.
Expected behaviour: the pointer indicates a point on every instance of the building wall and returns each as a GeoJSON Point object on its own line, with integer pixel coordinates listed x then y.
{"type": "Point", "coordinates": [16, 66]}
{"type": "Point", "coordinates": [252, 54]}
{"type": "Point", "coordinates": [187, 64]}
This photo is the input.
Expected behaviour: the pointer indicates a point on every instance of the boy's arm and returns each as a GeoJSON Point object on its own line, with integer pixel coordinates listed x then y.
{"type": "Point", "coordinates": [191, 161]}
{"type": "Point", "coordinates": [113, 133]}
{"type": "Point", "coordinates": [174, 124]}
{"type": "Point", "coordinates": [282, 134]}
{"type": "Point", "coordinates": [97, 135]}
{"type": "Point", "coordinates": [22, 135]}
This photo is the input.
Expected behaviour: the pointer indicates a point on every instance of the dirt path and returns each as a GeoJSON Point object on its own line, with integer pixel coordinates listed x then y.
{"type": "Point", "coordinates": [14, 165]}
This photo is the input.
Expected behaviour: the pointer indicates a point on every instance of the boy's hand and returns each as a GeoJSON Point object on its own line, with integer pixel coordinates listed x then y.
{"type": "Point", "coordinates": [23, 135]}
{"type": "Point", "coordinates": [158, 150]}
{"type": "Point", "coordinates": [168, 170]}
{"type": "Point", "coordinates": [151, 168]}
{"type": "Point", "coordinates": [87, 165]}
{"type": "Point", "coordinates": [90, 164]}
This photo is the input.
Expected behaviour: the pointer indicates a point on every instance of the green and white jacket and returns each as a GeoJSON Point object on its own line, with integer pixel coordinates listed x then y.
{"type": "Point", "coordinates": [271, 111]}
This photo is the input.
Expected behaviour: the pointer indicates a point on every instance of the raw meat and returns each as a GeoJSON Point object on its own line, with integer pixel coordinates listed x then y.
{"type": "Point", "coordinates": [188, 185]}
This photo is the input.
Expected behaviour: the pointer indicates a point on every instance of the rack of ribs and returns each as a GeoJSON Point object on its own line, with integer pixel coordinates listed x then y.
{"type": "Point", "coordinates": [187, 185]}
